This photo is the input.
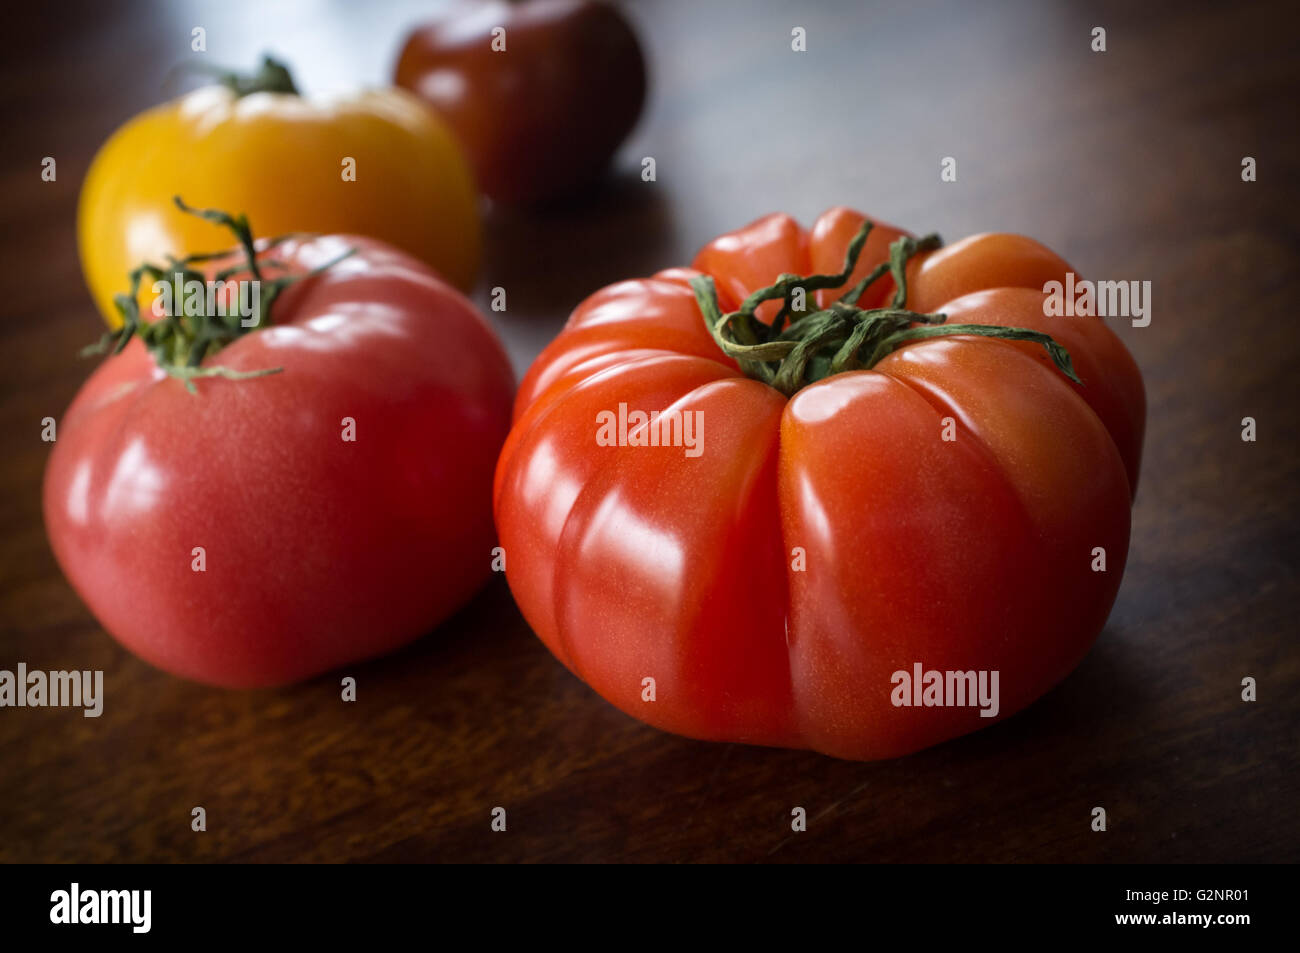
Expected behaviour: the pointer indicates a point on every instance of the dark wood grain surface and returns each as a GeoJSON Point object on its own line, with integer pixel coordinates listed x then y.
{"type": "Point", "coordinates": [1126, 162]}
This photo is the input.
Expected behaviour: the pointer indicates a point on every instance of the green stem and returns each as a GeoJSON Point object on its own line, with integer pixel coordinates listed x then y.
{"type": "Point", "coordinates": [179, 342]}
{"type": "Point", "coordinates": [272, 76]}
{"type": "Point", "coordinates": [818, 344]}
{"type": "Point", "coordinates": [1060, 356]}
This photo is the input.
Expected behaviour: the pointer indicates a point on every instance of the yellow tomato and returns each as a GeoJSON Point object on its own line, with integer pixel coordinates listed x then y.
{"type": "Point", "coordinates": [376, 163]}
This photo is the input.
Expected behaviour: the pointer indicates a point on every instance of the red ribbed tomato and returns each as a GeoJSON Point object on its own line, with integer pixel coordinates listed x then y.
{"type": "Point", "coordinates": [836, 497]}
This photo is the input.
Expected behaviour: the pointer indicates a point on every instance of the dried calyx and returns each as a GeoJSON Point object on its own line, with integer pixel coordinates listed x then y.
{"type": "Point", "coordinates": [183, 334]}
{"type": "Point", "coordinates": [796, 349]}
{"type": "Point", "coordinates": [272, 76]}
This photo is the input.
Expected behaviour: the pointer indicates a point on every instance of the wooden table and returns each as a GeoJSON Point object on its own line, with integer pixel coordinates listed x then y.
{"type": "Point", "coordinates": [1127, 162]}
